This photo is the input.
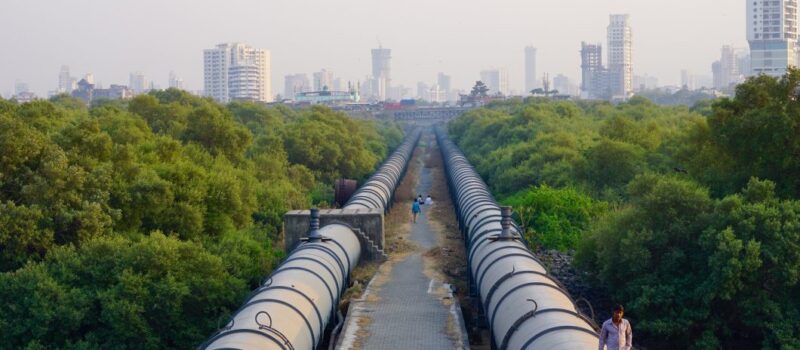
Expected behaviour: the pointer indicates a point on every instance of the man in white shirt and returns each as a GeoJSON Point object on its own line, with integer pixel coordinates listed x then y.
{"type": "Point", "coordinates": [616, 333]}
{"type": "Point", "coordinates": [429, 200]}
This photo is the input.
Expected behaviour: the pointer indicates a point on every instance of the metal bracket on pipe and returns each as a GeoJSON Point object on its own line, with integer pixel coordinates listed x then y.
{"type": "Point", "coordinates": [268, 329]}
{"type": "Point", "coordinates": [313, 234]}
{"type": "Point", "coordinates": [591, 309]}
{"type": "Point", "coordinates": [505, 222]}
{"type": "Point", "coordinates": [513, 329]}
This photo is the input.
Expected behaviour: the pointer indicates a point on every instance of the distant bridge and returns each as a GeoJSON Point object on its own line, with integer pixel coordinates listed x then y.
{"type": "Point", "coordinates": [428, 114]}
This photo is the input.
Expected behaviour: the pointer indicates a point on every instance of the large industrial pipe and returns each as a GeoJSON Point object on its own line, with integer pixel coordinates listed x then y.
{"type": "Point", "coordinates": [378, 191]}
{"type": "Point", "coordinates": [523, 305]}
{"type": "Point", "coordinates": [292, 308]}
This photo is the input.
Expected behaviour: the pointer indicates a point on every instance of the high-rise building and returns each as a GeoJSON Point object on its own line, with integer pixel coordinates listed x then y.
{"type": "Point", "coordinates": [729, 72]}
{"type": "Point", "coordinates": [323, 80]}
{"type": "Point", "coordinates": [496, 80]}
{"type": "Point", "coordinates": [743, 62]}
{"type": "Point", "coordinates": [66, 83]}
{"type": "Point", "coordinates": [688, 80]}
{"type": "Point", "coordinates": [716, 71]}
{"type": "Point", "coordinates": [445, 83]}
{"type": "Point", "coordinates": [382, 68]}
{"type": "Point", "coordinates": [620, 62]}
{"type": "Point", "coordinates": [236, 71]}
{"type": "Point", "coordinates": [138, 83]}
{"type": "Point", "coordinates": [594, 82]}
{"type": "Point", "coordinates": [294, 84]}
{"type": "Point", "coordinates": [422, 91]}
{"type": "Point", "coordinates": [436, 94]}
{"type": "Point", "coordinates": [731, 68]}
{"type": "Point", "coordinates": [772, 35]}
{"type": "Point", "coordinates": [175, 82]}
{"type": "Point", "coordinates": [531, 81]}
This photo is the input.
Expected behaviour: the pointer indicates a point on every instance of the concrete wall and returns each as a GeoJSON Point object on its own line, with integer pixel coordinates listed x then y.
{"type": "Point", "coordinates": [367, 222]}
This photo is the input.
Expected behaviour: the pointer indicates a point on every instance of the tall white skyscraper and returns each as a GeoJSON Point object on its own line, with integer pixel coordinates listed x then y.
{"type": "Point", "coordinates": [772, 35]}
{"type": "Point", "coordinates": [236, 71]}
{"type": "Point", "coordinates": [382, 71]}
{"type": "Point", "coordinates": [531, 81]}
{"type": "Point", "coordinates": [496, 80]}
{"type": "Point", "coordinates": [620, 62]}
{"type": "Point", "coordinates": [730, 72]}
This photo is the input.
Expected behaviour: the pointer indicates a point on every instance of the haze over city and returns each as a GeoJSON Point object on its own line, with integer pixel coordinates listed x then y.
{"type": "Point", "coordinates": [113, 39]}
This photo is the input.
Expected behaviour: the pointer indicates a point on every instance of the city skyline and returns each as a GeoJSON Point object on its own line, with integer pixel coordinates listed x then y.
{"type": "Point", "coordinates": [179, 38]}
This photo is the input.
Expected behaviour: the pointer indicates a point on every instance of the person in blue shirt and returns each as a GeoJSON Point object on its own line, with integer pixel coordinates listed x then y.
{"type": "Point", "coordinates": [415, 210]}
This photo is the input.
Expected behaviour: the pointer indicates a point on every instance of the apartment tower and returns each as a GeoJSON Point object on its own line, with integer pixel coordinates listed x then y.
{"type": "Point", "coordinates": [381, 71]}
{"type": "Point", "coordinates": [772, 35]}
{"type": "Point", "coordinates": [236, 71]}
{"type": "Point", "coordinates": [531, 81]}
{"type": "Point", "coordinates": [620, 63]}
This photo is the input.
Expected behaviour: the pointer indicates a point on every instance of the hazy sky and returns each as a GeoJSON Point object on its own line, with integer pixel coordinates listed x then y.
{"type": "Point", "coordinates": [111, 38]}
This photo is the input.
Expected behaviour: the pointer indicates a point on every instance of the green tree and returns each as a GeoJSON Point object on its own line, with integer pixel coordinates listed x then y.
{"type": "Point", "coordinates": [555, 218]}
{"type": "Point", "coordinates": [611, 164]}
{"type": "Point", "coordinates": [155, 293]}
{"type": "Point", "coordinates": [479, 90]}
{"type": "Point", "coordinates": [759, 128]}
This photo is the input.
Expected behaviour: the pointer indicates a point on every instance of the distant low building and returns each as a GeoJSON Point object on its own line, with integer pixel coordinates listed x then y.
{"type": "Point", "coordinates": [114, 92]}
{"type": "Point", "coordinates": [327, 97]}
{"type": "Point", "coordinates": [86, 91]}
{"type": "Point", "coordinates": [25, 97]}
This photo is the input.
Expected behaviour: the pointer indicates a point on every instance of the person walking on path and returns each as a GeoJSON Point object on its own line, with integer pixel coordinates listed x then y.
{"type": "Point", "coordinates": [616, 333]}
{"type": "Point", "coordinates": [415, 210]}
{"type": "Point", "coordinates": [429, 200]}
{"type": "Point", "coordinates": [420, 200]}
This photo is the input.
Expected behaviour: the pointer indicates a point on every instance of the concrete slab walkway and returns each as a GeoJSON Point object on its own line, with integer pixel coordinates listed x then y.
{"type": "Point", "coordinates": [407, 306]}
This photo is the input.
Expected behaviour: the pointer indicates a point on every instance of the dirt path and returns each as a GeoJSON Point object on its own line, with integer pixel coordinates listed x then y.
{"type": "Point", "coordinates": [409, 304]}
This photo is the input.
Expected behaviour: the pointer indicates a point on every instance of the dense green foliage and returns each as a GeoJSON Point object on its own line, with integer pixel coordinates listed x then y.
{"type": "Point", "coordinates": [683, 97]}
{"type": "Point", "coordinates": [562, 214]}
{"type": "Point", "coordinates": [140, 224]}
{"type": "Point", "coordinates": [689, 217]}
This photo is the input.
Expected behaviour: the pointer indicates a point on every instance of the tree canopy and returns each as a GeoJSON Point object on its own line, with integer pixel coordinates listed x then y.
{"type": "Point", "coordinates": [688, 216]}
{"type": "Point", "coordinates": [139, 224]}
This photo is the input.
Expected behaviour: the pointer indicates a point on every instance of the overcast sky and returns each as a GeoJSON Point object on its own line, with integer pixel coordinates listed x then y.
{"type": "Point", "coordinates": [111, 38]}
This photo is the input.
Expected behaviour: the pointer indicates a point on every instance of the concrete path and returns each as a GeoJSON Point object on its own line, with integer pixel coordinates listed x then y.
{"type": "Point", "coordinates": [406, 308]}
